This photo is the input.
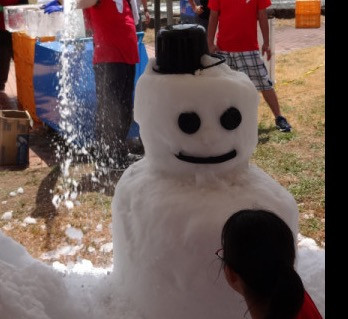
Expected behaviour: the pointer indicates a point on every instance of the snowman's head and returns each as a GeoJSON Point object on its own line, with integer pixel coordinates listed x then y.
{"type": "Point", "coordinates": [192, 123]}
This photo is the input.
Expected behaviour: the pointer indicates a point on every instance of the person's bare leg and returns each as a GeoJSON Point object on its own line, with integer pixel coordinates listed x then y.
{"type": "Point", "coordinates": [272, 101]}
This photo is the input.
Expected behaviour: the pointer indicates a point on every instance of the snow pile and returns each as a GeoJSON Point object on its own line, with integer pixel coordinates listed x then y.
{"type": "Point", "coordinates": [311, 268]}
{"type": "Point", "coordinates": [199, 131]}
{"type": "Point", "coordinates": [31, 290]}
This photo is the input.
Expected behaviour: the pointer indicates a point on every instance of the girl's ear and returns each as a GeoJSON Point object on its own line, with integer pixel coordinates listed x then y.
{"type": "Point", "coordinates": [234, 280]}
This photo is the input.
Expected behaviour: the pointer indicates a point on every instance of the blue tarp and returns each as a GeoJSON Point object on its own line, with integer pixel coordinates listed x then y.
{"type": "Point", "coordinates": [81, 92]}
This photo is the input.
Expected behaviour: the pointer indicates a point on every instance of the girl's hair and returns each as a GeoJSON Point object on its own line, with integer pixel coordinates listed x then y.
{"type": "Point", "coordinates": [260, 248]}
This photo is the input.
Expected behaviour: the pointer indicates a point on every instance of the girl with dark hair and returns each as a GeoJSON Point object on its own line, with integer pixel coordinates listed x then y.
{"type": "Point", "coordinates": [258, 255]}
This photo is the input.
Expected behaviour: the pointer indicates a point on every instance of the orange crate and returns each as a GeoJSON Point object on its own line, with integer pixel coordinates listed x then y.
{"type": "Point", "coordinates": [307, 13]}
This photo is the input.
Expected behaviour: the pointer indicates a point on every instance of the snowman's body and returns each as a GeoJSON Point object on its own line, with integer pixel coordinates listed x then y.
{"type": "Point", "coordinates": [169, 208]}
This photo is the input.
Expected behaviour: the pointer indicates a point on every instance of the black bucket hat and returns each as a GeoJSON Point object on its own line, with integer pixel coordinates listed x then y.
{"type": "Point", "coordinates": [179, 49]}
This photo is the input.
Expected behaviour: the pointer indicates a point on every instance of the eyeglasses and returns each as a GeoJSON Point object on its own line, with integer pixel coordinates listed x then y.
{"type": "Point", "coordinates": [220, 253]}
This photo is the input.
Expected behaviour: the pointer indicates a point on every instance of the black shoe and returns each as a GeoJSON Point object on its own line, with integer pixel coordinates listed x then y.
{"type": "Point", "coordinates": [282, 124]}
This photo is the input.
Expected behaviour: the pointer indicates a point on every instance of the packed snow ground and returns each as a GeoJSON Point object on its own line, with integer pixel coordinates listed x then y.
{"type": "Point", "coordinates": [32, 290]}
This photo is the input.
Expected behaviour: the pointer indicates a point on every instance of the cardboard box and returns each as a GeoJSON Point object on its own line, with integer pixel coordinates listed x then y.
{"type": "Point", "coordinates": [14, 137]}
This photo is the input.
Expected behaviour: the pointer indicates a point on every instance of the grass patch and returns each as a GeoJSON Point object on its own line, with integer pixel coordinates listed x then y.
{"type": "Point", "coordinates": [297, 160]}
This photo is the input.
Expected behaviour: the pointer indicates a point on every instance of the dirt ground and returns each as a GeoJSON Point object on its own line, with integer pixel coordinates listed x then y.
{"type": "Point", "coordinates": [49, 231]}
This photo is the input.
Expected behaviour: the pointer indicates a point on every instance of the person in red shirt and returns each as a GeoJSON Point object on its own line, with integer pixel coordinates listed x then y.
{"type": "Point", "coordinates": [6, 52]}
{"type": "Point", "coordinates": [258, 256]}
{"type": "Point", "coordinates": [237, 42]}
{"type": "Point", "coordinates": [114, 57]}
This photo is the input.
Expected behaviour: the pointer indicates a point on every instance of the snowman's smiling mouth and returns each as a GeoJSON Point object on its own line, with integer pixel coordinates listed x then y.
{"type": "Point", "coordinates": [207, 160]}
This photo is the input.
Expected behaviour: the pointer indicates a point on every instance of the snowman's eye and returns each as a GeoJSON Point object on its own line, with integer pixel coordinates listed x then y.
{"type": "Point", "coordinates": [189, 123]}
{"type": "Point", "coordinates": [231, 119]}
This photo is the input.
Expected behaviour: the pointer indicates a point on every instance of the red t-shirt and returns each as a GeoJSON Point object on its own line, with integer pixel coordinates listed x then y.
{"type": "Point", "coordinates": [309, 309]}
{"type": "Point", "coordinates": [237, 29]}
{"type": "Point", "coordinates": [114, 34]}
{"type": "Point", "coordinates": [87, 20]}
{"type": "Point", "coordinates": [5, 3]}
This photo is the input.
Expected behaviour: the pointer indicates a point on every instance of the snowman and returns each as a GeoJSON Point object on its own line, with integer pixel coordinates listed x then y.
{"type": "Point", "coordinates": [198, 124]}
